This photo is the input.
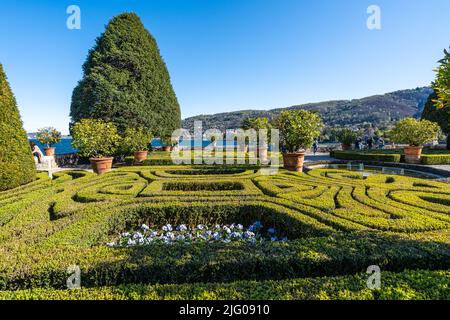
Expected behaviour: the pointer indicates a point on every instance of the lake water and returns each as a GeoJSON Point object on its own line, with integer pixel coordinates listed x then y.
{"type": "Point", "coordinates": [65, 146]}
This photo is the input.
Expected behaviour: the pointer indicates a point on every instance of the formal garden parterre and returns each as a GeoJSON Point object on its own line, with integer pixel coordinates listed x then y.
{"type": "Point", "coordinates": [336, 222]}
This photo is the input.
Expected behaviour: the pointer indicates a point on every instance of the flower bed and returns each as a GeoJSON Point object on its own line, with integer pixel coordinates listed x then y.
{"type": "Point", "coordinates": [201, 233]}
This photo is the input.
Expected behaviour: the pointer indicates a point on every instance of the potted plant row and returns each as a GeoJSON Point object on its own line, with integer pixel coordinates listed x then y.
{"type": "Point", "coordinates": [298, 131]}
{"type": "Point", "coordinates": [415, 133]}
{"type": "Point", "coordinates": [48, 136]}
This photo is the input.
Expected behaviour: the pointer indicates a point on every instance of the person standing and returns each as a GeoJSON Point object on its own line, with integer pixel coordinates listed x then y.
{"type": "Point", "coordinates": [315, 146]}
{"type": "Point", "coordinates": [36, 151]}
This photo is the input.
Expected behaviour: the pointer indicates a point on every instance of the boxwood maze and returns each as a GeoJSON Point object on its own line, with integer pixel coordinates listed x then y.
{"type": "Point", "coordinates": [337, 222]}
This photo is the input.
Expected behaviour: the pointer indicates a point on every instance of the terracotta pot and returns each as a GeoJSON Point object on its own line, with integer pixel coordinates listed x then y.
{"type": "Point", "coordinates": [101, 165]}
{"type": "Point", "coordinates": [412, 154]}
{"type": "Point", "coordinates": [49, 151]}
{"type": "Point", "coordinates": [140, 156]}
{"type": "Point", "coordinates": [167, 148]}
{"type": "Point", "coordinates": [346, 147]}
{"type": "Point", "coordinates": [294, 161]}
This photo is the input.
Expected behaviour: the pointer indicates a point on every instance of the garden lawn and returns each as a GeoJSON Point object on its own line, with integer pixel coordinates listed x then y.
{"type": "Point", "coordinates": [337, 224]}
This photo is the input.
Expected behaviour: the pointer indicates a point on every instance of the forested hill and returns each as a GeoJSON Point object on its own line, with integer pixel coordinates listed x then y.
{"type": "Point", "coordinates": [378, 110]}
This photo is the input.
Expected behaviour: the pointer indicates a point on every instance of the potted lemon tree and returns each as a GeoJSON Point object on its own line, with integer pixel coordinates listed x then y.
{"type": "Point", "coordinates": [415, 133]}
{"type": "Point", "coordinates": [136, 141]}
{"type": "Point", "coordinates": [167, 143]}
{"type": "Point", "coordinates": [346, 137]}
{"type": "Point", "coordinates": [48, 136]}
{"type": "Point", "coordinates": [97, 140]}
{"type": "Point", "coordinates": [298, 131]}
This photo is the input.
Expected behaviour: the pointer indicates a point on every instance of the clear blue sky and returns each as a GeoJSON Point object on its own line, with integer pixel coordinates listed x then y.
{"type": "Point", "coordinates": [226, 55]}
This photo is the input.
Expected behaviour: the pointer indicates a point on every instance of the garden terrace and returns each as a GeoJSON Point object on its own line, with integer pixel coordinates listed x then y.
{"type": "Point", "coordinates": [337, 223]}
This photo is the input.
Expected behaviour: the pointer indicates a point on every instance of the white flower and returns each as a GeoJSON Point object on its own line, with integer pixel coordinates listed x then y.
{"type": "Point", "coordinates": [200, 227]}
{"type": "Point", "coordinates": [226, 229]}
{"type": "Point", "coordinates": [248, 234]}
{"type": "Point", "coordinates": [167, 227]}
{"type": "Point", "coordinates": [125, 234]}
{"type": "Point", "coordinates": [110, 244]}
{"type": "Point", "coordinates": [240, 226]}
{"type": "Point", "coordinates": [131, 242]}
{"type": "Point", "coordinates": [182, 227]}
{"type": "Point", "coordinates": [145, 227]}
{"type": "Point", "coordinates": [170, 235]}
{"type": "Point", "coordinates": [153, 234]}
{"type": "Point", "coordinates": [235, 235]}
{"type": "Point", "coordinates": [138, 235]}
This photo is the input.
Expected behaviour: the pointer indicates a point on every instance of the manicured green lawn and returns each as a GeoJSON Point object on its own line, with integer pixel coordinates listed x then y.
{"type": "Point", "coordinates": [336, 222]}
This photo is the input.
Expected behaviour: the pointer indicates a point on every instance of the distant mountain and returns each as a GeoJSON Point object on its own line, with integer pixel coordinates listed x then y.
{"type": "Point", "coordinates": [379, 110]}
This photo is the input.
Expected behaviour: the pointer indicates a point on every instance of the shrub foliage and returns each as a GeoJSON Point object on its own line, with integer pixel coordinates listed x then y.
{"type": "Point", "coordinates": [337, 224]}
{"type": "Point", "coordinates": [95, 138]}
{"type": "Point", "coordinates": [126, 81]}
{"type": "Point", "coordinates": [16, 162]}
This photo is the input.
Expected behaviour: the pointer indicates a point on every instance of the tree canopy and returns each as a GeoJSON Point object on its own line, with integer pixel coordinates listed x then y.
{"type": "Point", "coordinates": [16, 161]}
{"type": "Point", "coordinates": [126, 81]}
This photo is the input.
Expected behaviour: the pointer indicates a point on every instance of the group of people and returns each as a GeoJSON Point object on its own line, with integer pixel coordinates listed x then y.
{"type": "Point", "coordinates": [369, 142]}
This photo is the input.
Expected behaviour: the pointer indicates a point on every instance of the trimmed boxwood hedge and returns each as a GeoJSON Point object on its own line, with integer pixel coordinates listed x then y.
{"type": "Point", "coordinates": [378, 157]}
{"type": "Point", "coordinates": [338, 224]}
{"type": "Point", "coordinates": [435, 159]}
{"type": "Point", "coordinates": [16, 161]}
{"type": "Point", "coordinates": [407, 285]}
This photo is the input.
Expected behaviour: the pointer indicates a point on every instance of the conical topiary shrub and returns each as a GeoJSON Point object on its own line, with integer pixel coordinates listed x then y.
{"type": "Point", "coordinates": [16, 161]}
{"type": "Point", "coordinates": [126, 81]}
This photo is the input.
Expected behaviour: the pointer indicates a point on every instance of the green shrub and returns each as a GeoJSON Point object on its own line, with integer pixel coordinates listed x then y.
{"type": "Point", "coordinates": [346, 136]}
{"type": "Point", "coordinates": [126, 81]}
{"type": "Point", "coordinates": [407, 285]}
{"type": "Point", "coordinates": [16, 161]}
{"type": "Point", "coordinates": [135, 140]}
{"type": "Point", "coordinates": [434, 159]}
{"type": "Point", "coordinates": [414, 132]}
{"type": "Point", "coordinates": [95, 138]}
{"type": "Point", "coordinates": [337, 224]}
{"type": "Point", "coordinates": [298, 129]}
{"type": "Point", "coordinates": [377, 157]}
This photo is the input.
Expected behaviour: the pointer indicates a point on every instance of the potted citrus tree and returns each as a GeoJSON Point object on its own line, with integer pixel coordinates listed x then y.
{"type": "Point", "coordinates": [167, 143]}
{"type": "Point", "coordinates": [48, 136]}
{"type": "Point", "coordinates": [346, 137]}
{"type": "Point", "coordinates": [97, 140]}
{"type": "Point", "coordinates": [298, 130]}
{"type": "Point", "coordinates": [136, 141]}
{"type": "Point", "coordinates": [415, 133]}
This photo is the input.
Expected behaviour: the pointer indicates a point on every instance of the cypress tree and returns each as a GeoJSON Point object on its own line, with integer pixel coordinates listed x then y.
{"type": "Point", "coordinates": [16, 161]}
{"type": "Point", "coordinates": [126, 81]}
